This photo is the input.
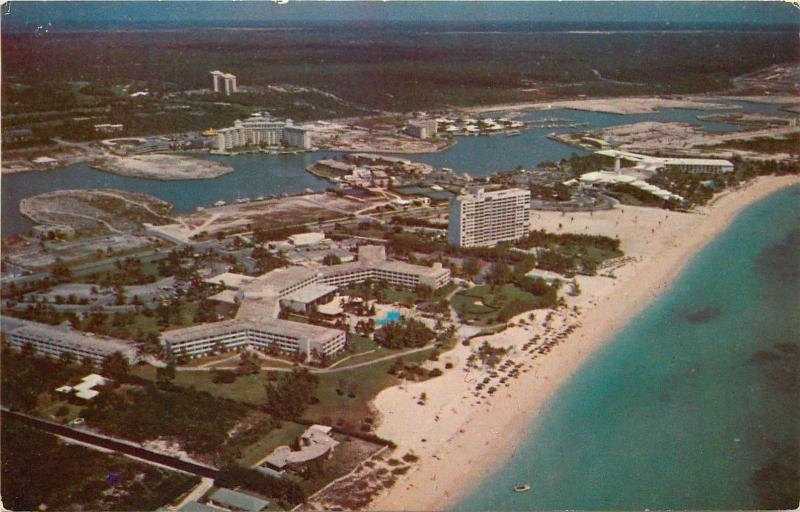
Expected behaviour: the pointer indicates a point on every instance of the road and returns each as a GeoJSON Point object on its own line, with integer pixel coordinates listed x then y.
{"type": "Point", "coordinates": [311, 369]}
{"type": "Point", "coordinates": [117, 445]}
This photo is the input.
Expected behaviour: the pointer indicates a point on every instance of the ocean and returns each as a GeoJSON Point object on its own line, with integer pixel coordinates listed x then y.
{"type": "Point", "coordinates": [694, 404]}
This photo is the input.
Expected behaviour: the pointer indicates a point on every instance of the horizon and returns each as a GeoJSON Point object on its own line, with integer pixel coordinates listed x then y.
{"type": "Point", "coordinates": [22, 15]}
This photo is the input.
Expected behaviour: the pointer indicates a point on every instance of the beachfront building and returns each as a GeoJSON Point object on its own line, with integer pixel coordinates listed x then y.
{"type": "Point", "coordinates": [54, 340]}
{"type": "Point", "coordinates": [482, 218]}
{"type": "Point", "coordinates": [294, 288]}
{"type": "Point", "coordinates": [422, 129]}
{"type": "Point", "coordinates": [261, 130]}
{"type": "Point", "coordinates": [652, 164]}
{"type": "Point", "coordinates": [315, 443]}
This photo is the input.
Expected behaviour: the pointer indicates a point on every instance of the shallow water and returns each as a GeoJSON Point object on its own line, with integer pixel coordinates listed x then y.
{"type": "Point", "coordinates": [690, 399]}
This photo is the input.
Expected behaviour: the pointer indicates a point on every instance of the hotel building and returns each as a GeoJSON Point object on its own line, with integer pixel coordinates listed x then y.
{"type": "Point", "coordinates": [224, 81]}
{"type": "Point", "coordinates": [54, 340]}
{"type": "Point", "coordinates": [257, 323]}
{"type": "Point", "coordinates": [261, 130]}
{"type": "Point", "coordinates": [485, 218]}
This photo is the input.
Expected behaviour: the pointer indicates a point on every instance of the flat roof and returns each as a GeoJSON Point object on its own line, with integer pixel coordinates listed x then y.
{"type": "Point", "coordinates": [638, 157]}
{"type": "Point", "coordinates": [230, 279]}
{"type": "Point", "coordinates": [282, 278]}
{"type": "Point", "coordinates": [64, 335]}
{"type": "Point", "coordinates": [310, 293]}
{"type": "Point", "coordinates": [239, 500]}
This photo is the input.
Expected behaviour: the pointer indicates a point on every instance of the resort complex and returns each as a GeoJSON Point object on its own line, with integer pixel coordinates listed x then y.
{"type": "Point", "coordinates": [403, 265]}
{"type": "Point", "coordinates": [485, 218]}
{"type": "Point", "coordinates": [296, 288]}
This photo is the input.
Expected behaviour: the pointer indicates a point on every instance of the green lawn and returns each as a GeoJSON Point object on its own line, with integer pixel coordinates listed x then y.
{"type": "Point", "coordinates": [365, 383]}
{"type": "Point", "coordinates": [123, 277]}
{"type": "Point", "coordinates": [252, 454]}
{"type": "Point", "coordinates": [482, 304]}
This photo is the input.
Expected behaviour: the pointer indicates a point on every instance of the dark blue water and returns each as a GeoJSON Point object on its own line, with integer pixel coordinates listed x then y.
{"type": "Point", "coordinates": [691, 398]}
{"type": "Point", "coordinates": [481, 156]}
{"type": "Point", "coordinates": [255, 175]}
{"type": "Point", "coordinates": [261, 174]}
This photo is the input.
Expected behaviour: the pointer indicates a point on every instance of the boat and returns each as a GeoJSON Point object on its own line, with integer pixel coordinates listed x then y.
{"type": "Point", "coordinates": [522, 488]}
{"type": "Point", "coordinates": [513, 133]}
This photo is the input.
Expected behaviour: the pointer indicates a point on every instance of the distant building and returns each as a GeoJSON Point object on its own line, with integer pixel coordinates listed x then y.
{"type": "Point", "coordinates": [152, 145]}
{"type": "Point", "coordinates": [652, 164]}
{"type": "Point", "coordinates": [108, 128]}
{"type": "Point", "coordinates": [224, 82]}
{"type": "Point", "coordinates": [261, 130]}
{"type": "Point", "coordinates": [45, 162]}
{"type": "Point", "coordinates": [54, 340]}
{"type": "Point", "coordinates": [487, 218]}
{"type": "Point", "coordinates": [422, 129]}
{"type": "Point", "coordinates": [297, 137]}
{"type": "Point", "coordinates": [18, 135]}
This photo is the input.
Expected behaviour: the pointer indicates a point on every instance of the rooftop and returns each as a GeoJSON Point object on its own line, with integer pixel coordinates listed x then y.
{"type": "Point", "coordinates": [238, 500]}
{"type": "Point", "coordinates": [65, 335]}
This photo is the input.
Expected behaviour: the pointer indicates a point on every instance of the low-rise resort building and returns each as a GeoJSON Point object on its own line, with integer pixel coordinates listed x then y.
{"type": "Point", "coordinates": [295, 288]}
{"type": "Point", "coordinates": [54, 340]}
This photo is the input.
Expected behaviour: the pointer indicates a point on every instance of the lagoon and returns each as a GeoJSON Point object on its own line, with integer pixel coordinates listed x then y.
{"type": "Point", "coordinates": [261, 174]}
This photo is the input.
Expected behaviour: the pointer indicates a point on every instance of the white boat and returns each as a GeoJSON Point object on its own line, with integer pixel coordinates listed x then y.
{"type": "Point", "coordinates": [522, 488]}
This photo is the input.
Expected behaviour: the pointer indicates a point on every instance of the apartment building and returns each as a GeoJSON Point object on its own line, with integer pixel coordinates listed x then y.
{"type": "Point", "coordinates": [482, 218]}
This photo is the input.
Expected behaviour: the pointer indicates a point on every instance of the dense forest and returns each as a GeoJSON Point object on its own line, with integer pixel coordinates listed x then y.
{"type": "Point", "coordinates": [399, 68]}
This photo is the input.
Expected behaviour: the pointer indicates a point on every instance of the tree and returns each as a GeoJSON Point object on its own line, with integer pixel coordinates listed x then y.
{"type": "Point", "coordinates": [471, 266]}
{"type": "Point", "coordinates": [166, 374]}
{"type": "Point", "coordinates": [116, 366]}
{"type": "Point", "coordinates": [61, 271]}
{"type": "Point", "coordinates": [331, 259]}
{"type": "Point", "coordinates": [67, 358]}
{"type": "Point", "coordinates": [291, 394]}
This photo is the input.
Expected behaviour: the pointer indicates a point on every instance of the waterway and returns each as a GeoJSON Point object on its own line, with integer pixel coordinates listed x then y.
{"type": "Point", "coordinates": [691, 400]}
{"type": "Point", "coordinates": [262, 174]}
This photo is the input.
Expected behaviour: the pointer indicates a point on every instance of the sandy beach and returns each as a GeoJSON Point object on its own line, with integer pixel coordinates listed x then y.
{"type": "Point", "coordinates": [460, 437]}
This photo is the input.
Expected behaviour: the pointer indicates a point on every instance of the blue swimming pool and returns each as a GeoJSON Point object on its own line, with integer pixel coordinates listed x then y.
{"type": "Point", "coordinates": [391, 316]}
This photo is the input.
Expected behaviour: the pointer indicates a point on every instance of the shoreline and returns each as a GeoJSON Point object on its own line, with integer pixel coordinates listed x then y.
{"type": "Point", "coordinates": [489, 431]}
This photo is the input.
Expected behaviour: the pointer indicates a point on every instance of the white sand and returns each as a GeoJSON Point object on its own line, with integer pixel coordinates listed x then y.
{"type": "Point", "coordinates": [463, 439]}
{"type": "Point", "coordinates": [625, 105]}
{"type": "Point", "coordinates": [163, 167]}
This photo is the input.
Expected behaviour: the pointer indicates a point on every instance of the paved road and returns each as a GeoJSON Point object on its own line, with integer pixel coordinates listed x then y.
{"type": "Point", "coordinates": [110, 443]}
{"type": "Point", "coordinates": [316, 370]}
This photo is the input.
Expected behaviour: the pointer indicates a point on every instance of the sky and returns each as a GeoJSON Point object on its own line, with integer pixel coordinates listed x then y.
{"type": "Point", "coordinates": [24, 13]}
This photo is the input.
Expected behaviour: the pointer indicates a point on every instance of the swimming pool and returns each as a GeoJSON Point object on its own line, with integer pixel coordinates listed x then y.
{"type": "Point", "coordinates": [389, 317]}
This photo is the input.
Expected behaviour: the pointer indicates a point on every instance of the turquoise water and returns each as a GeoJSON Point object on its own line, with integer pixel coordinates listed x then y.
{"type": "Point", "coordinates": [388, 318]}
{"type": "Point", "coordinates": [691, 398]}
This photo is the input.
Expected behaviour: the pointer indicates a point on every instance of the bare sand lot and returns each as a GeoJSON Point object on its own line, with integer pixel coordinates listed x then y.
{"type": "Point", "coordinates": [459, 435]}
{"type": "Point", "coordinates": [163, 167]}
{"type": "Point", "coordinates": [359, 139]}
{"type": "Point", "coordinates": [680, 138]}
{"type": "Point", "coordinates": [97, 210]}
{"type": "Point", "coordinates": [622, 106]}
{"type": "Point", "coordinates": [267, 213]}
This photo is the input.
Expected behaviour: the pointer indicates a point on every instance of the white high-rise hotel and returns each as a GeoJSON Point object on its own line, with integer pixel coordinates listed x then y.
{"type": "Point", "coordinates": [485, 218]}
{"type": "Point", "coordinates": [225, 81]}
